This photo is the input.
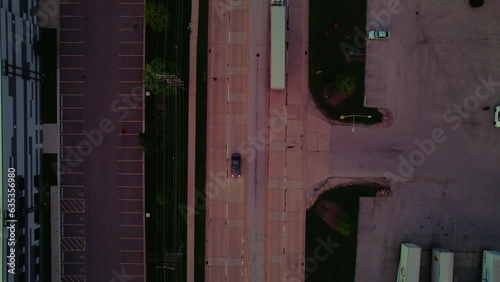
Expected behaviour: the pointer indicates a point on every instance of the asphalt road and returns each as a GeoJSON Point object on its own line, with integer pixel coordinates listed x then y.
{"type": "Point", "coordinates": [101, 59]}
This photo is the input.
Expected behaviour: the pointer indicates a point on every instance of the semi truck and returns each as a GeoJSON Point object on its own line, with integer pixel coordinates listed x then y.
{"type": "Point", "coordinates": [278, 49]}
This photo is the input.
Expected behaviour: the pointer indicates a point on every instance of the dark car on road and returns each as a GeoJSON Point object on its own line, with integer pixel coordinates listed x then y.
{"type": "Point", "coordinates": [236, 165]}
{"type": "Point", "coordinates": [476, 3]}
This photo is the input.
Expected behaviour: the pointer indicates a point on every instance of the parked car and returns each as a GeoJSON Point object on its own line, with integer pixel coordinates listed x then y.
{"type": "Point", "coordinates": [236, 165]}
{"type": "Point", "coordinates": [476, 3]}
{"type": "Point", "coordinates": [379, 34]}
{"type": "Point", "coordinates": [497, 116]}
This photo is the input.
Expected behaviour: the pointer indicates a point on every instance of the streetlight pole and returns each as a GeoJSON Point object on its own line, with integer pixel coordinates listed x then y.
{"type": "Point", "coordinates": [354, 118]}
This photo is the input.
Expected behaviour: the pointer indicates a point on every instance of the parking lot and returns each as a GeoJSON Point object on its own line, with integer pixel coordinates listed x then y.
{"type": "Point", "coordinates": [436, 73]}
{"type": "Point", "coordinates": [101, 113]}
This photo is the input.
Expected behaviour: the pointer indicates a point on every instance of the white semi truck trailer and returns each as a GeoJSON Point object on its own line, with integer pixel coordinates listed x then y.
{"type": "Point", "coordinates": [278, 49]}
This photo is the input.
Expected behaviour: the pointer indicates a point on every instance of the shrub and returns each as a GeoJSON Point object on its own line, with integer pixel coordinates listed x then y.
{"type": "Point", "coordinates": [156, 16]}
{"type": "Point", "coordinates": [345, 83]}
{"type": "Point", "coordinates": [345, 226]}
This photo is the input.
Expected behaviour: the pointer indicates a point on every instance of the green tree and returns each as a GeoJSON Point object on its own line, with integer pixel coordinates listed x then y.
{"type": "Point", "coordinates": [345, 83]}
{"type": "Point", "coordinates": [153, 80]}
{"type": "Point", "coordinates": [156, 16]}
{"type": "Point", "coordinates": [345, 226]}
